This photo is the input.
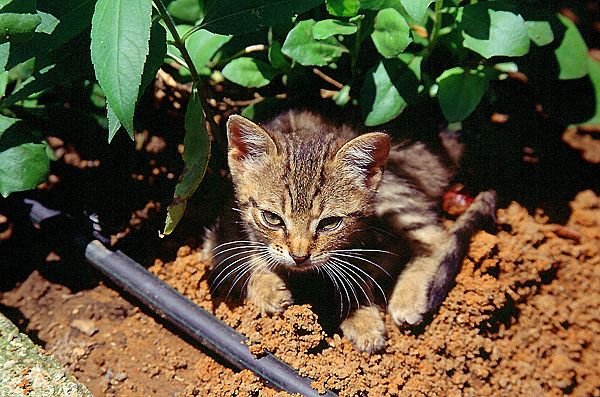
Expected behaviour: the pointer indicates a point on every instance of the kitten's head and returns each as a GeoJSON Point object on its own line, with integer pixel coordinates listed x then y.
{"type": "Point", "coordinates": [304, 191]}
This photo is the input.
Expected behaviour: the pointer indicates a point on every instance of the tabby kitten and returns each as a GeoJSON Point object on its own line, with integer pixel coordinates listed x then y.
{"type": "Point", "coordinates": [312, 196]}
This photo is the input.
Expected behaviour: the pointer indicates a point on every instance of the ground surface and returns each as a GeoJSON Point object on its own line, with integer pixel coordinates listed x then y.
{"type": "Point", "coordinates": [523, 319]}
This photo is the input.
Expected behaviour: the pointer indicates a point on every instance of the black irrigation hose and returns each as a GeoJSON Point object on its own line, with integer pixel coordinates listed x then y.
{"type": "Point", "coordinates": [184, 314]}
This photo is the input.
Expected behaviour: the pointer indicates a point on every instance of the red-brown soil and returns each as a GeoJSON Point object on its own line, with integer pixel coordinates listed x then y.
{"type": "Point", "coordinates": [523, 319]}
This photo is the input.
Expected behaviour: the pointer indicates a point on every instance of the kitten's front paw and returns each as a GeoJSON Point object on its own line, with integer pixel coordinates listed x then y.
{"type": "Point", "coordinates": [268, 293]}
{"type": "Point", "coordinates": [408, 303]}
{"type": "Point", "coordinates": [365, 329]}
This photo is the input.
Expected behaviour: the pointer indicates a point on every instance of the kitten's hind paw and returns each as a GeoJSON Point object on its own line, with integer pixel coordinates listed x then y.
{"type": "Point", "coordinates": [267, 291]}
{"type": "Point", "coordinates": [365, 329]}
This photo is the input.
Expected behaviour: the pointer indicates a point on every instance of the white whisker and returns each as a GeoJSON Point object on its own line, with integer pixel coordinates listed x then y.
{"type": "Point", "coordinates": [240, 271]}
{"type": "Point", "coordinates": [251, 255]}
{"type": "Point", "coordinates": [358, 280]}
{"type": "Point", "coordinates": [249, 268]}
{"type": "Point", "coordinates": [380, 231]}
{"type": "Point", "coordinates": [341, 282]}
{"type": "Point", "coordinates": [357, 268]}
{"type": "Point", "coordinates": [236, 248]}
{"type": "Point", "coordinates": [345, 276]}
{"type": "Point", "coordinates": [365, 250]}
{"type": "Point", "coordinates": [358, 257]}
{"type": "Point", "coordinates": [239, 242]}
{"type": "Point", "coordinates": [247, 251]}
{"type": "Point", "coordinates": [338, 290]}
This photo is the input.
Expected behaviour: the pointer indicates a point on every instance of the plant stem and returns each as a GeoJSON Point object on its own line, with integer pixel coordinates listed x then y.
{"type": "Point", "coordinates": [197, 82]}
{"type": "Point", "coordinates": [180, 44]}
{"type": "Point", "coordinates": [437, 23]}
{"type": "Point", "coordinates": [190, 32]}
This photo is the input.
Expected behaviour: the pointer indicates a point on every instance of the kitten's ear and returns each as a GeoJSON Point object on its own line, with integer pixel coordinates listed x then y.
{"type": "Point", "coordinates": [247, 140]}
{"type": "Point", "coordinates": [365, 156]}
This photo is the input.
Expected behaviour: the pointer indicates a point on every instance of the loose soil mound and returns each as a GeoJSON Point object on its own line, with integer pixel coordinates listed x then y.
{"type": "Point", "coordinates": [523, 319]}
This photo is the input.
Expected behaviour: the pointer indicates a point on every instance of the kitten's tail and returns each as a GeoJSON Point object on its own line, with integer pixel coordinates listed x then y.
{"type": "Point", "coordinates": [481, 213]}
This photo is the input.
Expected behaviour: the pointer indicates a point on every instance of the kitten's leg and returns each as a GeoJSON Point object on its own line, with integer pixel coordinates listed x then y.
{"type": "Point", "coordinates": [365, 328]}
{"type": "Point", "coordinates": [409, 299]}
{"type": "Point", "coordinates": [425, 281]}
{"type": "Point", "coordinates": [481, 213]}
{"type": "Point", "coordinates": [268, 292]}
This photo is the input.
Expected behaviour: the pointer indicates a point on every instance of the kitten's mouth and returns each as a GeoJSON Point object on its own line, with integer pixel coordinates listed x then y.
{"type": "Point", "coordinates": [306, 265]}
{"type": "Point", "coordinates": [299, 266]}
{"type": "Point", "coordinates": [302, 268]}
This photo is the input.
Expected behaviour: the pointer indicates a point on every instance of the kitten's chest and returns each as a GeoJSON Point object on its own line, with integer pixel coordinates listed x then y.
{"type": "Point", "coordinates": [380, 245]}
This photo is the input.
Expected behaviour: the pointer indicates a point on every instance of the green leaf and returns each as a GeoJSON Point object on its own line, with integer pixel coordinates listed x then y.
{"type": "Point", "coordinates": [157, 48]}
{"type": "Point", "coordinates": [379, 4]}
{"type": "Point", "coordinates": [37, 82]}
{"type": "Point", "coordinates": [391, 33]}
{"type": "Point", "coordinates": [48, 24]}
{"type": "Point", "coordinates": [237, 17]}
{"type": "Point", "coordinates": [276, 57]}
{"type": "Point", "coordinates": [48, 74]}
{"type": "Point", "coordinates": [203, 45]}
{"type": "Point", "coordinates": [113, 123]}
{"type": "Point", "coordinates": [388, 89]}
{"type": "Point", "coordinates": [18, 20]}
{"type": "Point", "coordinates": [540, 32]}
{"type": "Point", "coordinates": [23, 167]}
{"type": "Point", "coordinates": [73, 15]}
{"type": "Point", "coordinates": [25, 164]}
{"type": "Point", "coordinates": [195, 157]}
{"type": "Point", "coordinates": [4, 54]}
{"type": "Point", "coordinates": [489, 29]}
{"type": "Point", "coordinates": [3, 83]}
{"type": "Point", "coordinates": [301, 46]}
{"type": "Point", "coordinates": [18, 27]}
{"type": "Point", "coordinates": [594, 73]}
{"type": "Point", "coordinates": [460, 91]}
{"type": "Point", "coordinates": [120, 36]}
{"type": "Point", "coordinates": [22, 71]}
{"type": "Point", "coordinates": [332, 27]}
{"type": "Point", "coordinates": [571, 53]}
{"type": "Point", "coordinates": [249, 72]}
{"type": "Point", "coordinates": [6, 123]}
{"type": "Point", "coordinates": [343, 8]}
{"type": "Point", "coordinates": [416, 9]}
{"type": "Point", "coordinates": [186, 10]}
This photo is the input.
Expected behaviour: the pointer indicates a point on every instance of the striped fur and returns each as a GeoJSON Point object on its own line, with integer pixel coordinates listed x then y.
{"type": "Point", "coordinates": [312, 196]}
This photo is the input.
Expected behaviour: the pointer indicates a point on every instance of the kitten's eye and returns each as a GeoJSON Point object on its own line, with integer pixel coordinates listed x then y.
{"type": "Point", "coordinates": [329, 224]}
{"type": "Point", "coordinates": [270, 219]}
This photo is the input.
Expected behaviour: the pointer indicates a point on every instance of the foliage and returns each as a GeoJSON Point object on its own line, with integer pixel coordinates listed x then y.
{"type": "Point", "coordinates": [381, 56]}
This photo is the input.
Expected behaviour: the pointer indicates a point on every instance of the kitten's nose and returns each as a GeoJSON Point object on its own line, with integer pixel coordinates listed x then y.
{"type": "Point", "coordinates": [299, 259]}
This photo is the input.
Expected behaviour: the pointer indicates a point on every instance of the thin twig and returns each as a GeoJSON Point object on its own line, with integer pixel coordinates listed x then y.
{"type": "Point", "coordinates": [328, 79]}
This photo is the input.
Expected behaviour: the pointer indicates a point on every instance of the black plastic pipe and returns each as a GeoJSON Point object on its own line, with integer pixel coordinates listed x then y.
{"type": "Point", "coordinates": [186, 316]}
